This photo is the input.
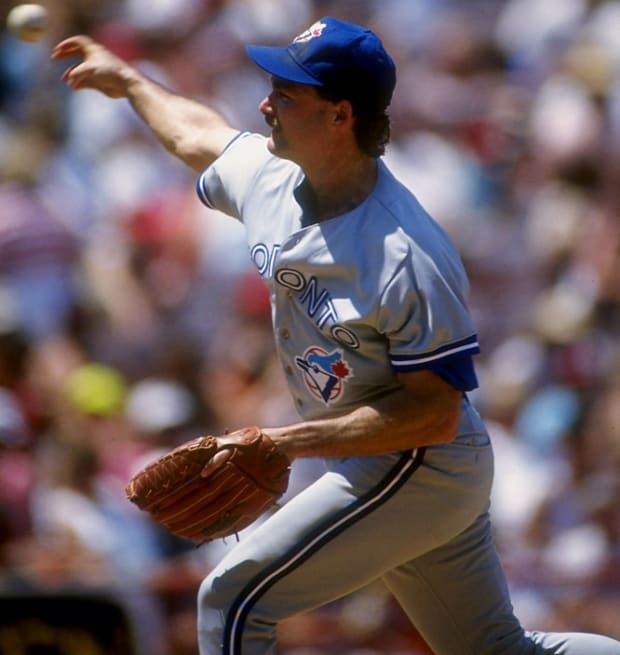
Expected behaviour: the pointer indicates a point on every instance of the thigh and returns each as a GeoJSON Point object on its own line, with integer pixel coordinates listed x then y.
{"type": "Point", "coordinates": [320, 544]}
{"type": "Point", "coordinates": [361, 519]}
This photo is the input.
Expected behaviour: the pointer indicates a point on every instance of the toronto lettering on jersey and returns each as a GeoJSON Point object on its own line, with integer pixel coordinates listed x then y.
{"type": "Point", "coordinates": [324, 372]}
{"type": "Point", "coordinates": [317, 301]}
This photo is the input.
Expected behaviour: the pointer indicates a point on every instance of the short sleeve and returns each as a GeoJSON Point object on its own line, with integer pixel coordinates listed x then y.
{"type": "Point", "coordinates": [225, 184]}
{"type": "Point", "coordinates": [424, 316]}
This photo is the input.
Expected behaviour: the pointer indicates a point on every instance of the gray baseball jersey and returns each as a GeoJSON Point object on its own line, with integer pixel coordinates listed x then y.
{"type": "Point", "coordinates": [356, 299]}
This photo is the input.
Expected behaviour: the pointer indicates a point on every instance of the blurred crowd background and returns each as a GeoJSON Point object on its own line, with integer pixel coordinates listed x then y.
{"type": "Point", "coordinates": [131, 319]}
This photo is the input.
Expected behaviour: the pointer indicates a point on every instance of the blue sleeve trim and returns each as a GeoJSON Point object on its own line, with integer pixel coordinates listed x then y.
{"type": "Point", "coordinates": [468, 346]}
{"type": "Point", "coordinates": [452, 362]}
{"type": "Point", "coordinates": [201, 190]}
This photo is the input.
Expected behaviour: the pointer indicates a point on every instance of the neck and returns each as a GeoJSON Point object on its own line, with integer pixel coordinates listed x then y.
{"type": "Point", "coordinates": [340, 188]}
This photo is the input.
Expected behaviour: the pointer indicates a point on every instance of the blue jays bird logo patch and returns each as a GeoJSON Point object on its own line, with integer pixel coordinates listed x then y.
{"type": "Point", "coordinates": [311, 33]}
{"type": "Point", "coordinates": [324, 372]}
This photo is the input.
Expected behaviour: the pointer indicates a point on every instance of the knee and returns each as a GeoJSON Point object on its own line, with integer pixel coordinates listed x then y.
{"type": "Point", "coordinates": [229, 614]}
{"type": "Point", "coordinates": [214, 594]}
{"type": "Point", "coordinates": [206, 594]}
{"type": "Point", "coordinates": [220, 589]}
{"type": "Point", "coordinates": [213, 603]}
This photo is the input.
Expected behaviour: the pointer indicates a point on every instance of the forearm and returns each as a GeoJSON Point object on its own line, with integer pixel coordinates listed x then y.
{"type": "Point", "coordinates": [191, 131]}
{"type": "Point", "coordinates": [397, 422]}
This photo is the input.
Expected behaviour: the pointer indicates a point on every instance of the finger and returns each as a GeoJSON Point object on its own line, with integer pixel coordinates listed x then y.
{"type": "Point", "coordinates": [218, 460]}
{"type": "Point", "coordinates": [75, 78]}
{"type": "Point", "coordinates": [74, 45]}
{"type": "Point", "coordinates": [68, 73]}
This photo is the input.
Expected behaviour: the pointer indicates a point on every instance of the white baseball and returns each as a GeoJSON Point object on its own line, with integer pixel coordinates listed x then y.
{"type": "Point", "coordinates": [28, 21]}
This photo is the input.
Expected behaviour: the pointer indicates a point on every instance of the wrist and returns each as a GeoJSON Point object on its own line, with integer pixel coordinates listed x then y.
{"type": "Point", "coordinates": [283, 440]}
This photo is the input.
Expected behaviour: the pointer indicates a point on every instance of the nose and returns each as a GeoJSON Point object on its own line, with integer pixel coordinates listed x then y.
{"type": "Point", "coordinates": [265, 106]}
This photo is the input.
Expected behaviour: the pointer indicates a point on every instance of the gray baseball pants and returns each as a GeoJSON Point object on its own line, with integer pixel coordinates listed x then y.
{"type": "Point", "coordinates": [418, 521]}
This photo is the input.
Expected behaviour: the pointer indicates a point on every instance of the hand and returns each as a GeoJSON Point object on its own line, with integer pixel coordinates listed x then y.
{"type": "Point", "coordinates": [99, 68]}
{"type": "Point", "coordinates": [212, 486]}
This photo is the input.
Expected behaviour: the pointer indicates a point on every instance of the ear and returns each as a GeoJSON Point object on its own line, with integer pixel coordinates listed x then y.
{"type": "Point", "coordinates": [343, 112]}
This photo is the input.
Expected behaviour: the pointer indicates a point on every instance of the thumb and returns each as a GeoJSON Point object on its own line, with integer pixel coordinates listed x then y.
{"type": "Point", "coordinates": [216, 463]}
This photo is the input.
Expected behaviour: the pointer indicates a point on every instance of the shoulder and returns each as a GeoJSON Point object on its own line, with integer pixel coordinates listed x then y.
{"type": "Point", "coordinates": [244, 147]}
{"type": "Point", "coordinates": [245, 163]}
{"type": "Point", "coordinates": [406, 216]}
{"type": "Point", "coordinates": [248, 150]}
{"type": "Point", "coordinates": [415, 248]}
{"type": "Point", "coordinates": [402, 208]}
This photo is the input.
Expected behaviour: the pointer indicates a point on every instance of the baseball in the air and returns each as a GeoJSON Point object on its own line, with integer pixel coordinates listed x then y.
{"type": "Point", "coordinates": [27, 22]}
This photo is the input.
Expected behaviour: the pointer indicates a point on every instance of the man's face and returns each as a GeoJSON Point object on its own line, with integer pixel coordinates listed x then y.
{"type": "Point", "coordinates": [299, 120]}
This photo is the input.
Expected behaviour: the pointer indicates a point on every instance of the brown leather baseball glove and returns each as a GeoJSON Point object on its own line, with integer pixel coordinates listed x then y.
{"type": "Point", "coordinates": [211, 486]}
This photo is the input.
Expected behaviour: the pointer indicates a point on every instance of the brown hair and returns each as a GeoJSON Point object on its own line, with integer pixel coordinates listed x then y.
{"type": "Point", "coordinates": [372, 123]}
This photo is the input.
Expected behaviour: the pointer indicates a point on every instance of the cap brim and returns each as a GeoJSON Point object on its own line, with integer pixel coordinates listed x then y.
{"type": "Point", "coordinates": [279, 63]}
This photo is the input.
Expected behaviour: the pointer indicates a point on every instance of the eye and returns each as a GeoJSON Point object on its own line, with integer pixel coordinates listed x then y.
{"type": "Point", "coordinates": [281, 92]}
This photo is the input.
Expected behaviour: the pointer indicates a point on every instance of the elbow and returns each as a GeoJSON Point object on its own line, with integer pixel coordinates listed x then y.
{"type": "Point", "coordinates": [446, 427]}
{"type": "Point", "coordinates": [446, 434]}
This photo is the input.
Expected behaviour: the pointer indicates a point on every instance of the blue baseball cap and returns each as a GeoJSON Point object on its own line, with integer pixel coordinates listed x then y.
{"type": "Point", "coordinates": [335, 55]}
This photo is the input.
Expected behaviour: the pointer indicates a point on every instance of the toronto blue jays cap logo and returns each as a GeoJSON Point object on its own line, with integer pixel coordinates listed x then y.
{"type": "Point", "coordinates": [324, 373]}
{"type": "Point", "coordinates": [333, 54]}
{"type": "Point", "coordinates": [312, 32]}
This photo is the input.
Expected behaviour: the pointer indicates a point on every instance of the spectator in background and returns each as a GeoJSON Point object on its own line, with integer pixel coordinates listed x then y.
{"type": "Point", "coordinates": [512, 105]}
